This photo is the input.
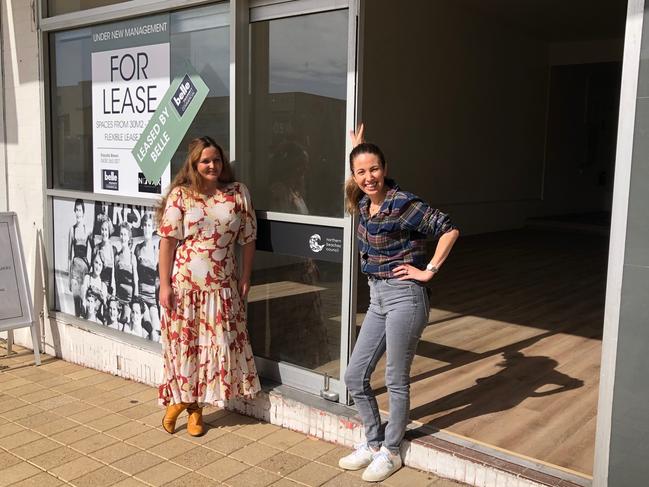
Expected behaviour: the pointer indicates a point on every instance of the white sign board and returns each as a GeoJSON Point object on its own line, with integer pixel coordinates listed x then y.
{"type": "Point", "coordinates": [11, 301]}
{"type": "Point", "coordinates": [15, 297]}
{"type": "Point", "coordinates": [130, 76]}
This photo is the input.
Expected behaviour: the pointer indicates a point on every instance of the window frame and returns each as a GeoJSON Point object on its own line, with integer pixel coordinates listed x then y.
{"type": "Point", "coordinates": [266, 10]}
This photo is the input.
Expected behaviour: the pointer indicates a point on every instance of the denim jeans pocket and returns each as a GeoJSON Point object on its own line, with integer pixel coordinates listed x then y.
{"type": "Point", "coordinates": [406, 290]}
{"type": "Point", "coordinates": [399, 284]}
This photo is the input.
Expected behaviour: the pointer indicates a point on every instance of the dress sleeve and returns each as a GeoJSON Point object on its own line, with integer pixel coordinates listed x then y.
{"type": "Point", "coordinates": [172, 224]}
{"type": "Point", "coordinates": [248, 227]}
{"type": "Point", "coordinates": [418, 216]}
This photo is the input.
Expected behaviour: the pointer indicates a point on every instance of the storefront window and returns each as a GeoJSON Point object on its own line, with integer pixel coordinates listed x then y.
{"type": "Point", "coordinates": [58, 7]}
{"type": "Point", "coordinates": [299, 80]}
{"type": "Point", "coordinates": [71, 110]}
{"type": "Point", "coordinates": [294, 304]}
{"type": "Point", "coordinates": [298, 105]}
{"type": "Point", "coordinates": [197, 36]}
{"type": "Point", "coordinates": [105, 253]}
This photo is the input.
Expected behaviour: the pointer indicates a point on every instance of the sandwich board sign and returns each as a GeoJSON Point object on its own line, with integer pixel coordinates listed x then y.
{"type": "Point", "coordinates": [15, 298]}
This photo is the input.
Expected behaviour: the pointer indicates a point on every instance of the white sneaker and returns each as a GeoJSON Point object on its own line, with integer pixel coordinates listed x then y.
{"type": "Point", "coordinates": [383, 465]}
{"type": "Point", "coordinates": [359, 458]}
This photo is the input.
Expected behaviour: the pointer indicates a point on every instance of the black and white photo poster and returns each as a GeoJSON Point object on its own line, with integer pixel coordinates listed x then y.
{"type": "Point", "coordinates": [130, 75]}
{"type": "Point", "coordinates": [106, 265]}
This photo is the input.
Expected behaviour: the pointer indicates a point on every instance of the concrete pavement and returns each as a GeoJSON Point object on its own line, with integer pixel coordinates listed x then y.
{"type": "Point", "coordinates": [61, 423]}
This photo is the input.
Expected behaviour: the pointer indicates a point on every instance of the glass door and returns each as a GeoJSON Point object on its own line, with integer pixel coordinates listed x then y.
{"type": "Point", "coordinates": [299, 113]}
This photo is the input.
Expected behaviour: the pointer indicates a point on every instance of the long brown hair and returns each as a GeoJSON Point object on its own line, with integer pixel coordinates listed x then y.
{"type": "Point", "coordinates": [188, 176]}
{"type": "Point", "coordinates": [354, 194]}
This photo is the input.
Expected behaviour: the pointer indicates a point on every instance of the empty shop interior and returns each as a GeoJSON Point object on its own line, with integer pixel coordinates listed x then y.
{"type": "Point", "coordinates": [501, 113]}
{"type": "Point", "coordinates": [504, 114]}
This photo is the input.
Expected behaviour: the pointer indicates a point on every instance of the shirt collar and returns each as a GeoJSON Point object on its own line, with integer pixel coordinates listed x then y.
{"type": "Point", "coordinates": [364, 203]}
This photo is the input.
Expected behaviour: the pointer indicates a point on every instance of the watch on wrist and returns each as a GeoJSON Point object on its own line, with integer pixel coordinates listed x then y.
{"type": "Point", "coordinates": [431, 268]}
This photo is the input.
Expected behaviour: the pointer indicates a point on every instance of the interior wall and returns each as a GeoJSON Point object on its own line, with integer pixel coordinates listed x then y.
{"type": "Point", "coordinates": [441, 88]}
{"type": "Point", "coordinates": [460, 104]}
{"type": "Point", "coordinates": [585, 52]}
{"type": "Point", "coordinates": [581, 138]}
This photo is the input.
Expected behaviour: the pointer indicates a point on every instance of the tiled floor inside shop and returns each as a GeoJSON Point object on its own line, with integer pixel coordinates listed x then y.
{"type": "Point", "coordinates": [61, 423]}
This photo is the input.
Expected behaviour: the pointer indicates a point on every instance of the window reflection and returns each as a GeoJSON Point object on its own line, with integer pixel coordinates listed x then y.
{"type": "Point", "coordinates": [294, 311]}
{"type": "Point", "coordinates": [288, 180]}
{"type": "Point", "coordinates": [298, 79]}
{"type": "Point", "coordinates": [72, 110]}
{"type": "Point", "coordinates": [201, 36]}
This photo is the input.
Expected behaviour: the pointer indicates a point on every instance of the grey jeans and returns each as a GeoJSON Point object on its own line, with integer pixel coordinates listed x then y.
{"type": "Point", "coordinates": [397, 315]}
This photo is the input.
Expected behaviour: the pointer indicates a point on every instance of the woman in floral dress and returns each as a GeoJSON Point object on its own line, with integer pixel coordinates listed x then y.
{"type": "Point", "coordinates": [207, 354]}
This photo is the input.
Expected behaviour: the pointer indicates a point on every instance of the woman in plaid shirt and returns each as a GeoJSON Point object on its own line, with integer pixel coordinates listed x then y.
{"type": "Point", "coordinates": [392, 230]}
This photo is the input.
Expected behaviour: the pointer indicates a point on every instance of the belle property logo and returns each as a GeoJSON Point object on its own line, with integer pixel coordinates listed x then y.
{"type": "Point", "coordinates": [183, 95]}
{"type": "Point", "coordinates": [110, 179]}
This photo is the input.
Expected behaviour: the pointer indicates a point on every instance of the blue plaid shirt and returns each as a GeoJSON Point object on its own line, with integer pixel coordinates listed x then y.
{"type": "Point", "coordinates": [396, 234]}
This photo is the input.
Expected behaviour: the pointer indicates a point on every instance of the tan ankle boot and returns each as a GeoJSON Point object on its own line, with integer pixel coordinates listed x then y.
{"type": "Point", "coordinates": [195, 421]}
{"type": "Point", "coordinates": [171, 415]}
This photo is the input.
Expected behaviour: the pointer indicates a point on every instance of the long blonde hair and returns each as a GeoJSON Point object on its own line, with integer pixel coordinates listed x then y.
{"type": "Point", "coordinates": [354, 194]}
{"type": "Point", "coordinates": [189, 177]}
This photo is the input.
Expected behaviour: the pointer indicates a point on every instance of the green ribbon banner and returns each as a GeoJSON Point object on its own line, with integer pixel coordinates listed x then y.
{"type": "Point", "coordinates": [169, 124]}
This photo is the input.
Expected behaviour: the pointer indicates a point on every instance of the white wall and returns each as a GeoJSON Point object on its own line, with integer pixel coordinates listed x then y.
{"type": "Point", "coordinates": [22, 131]}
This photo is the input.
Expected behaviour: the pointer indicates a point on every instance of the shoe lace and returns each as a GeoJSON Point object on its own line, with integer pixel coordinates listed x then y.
{"type": "Point", "coordinates": [361, 448]}
{"type": "Point", "coordinates": [382, 457]}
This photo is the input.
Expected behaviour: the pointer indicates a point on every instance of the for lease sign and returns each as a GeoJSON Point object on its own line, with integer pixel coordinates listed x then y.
{"type": "Point", "coordinates": [130, 76]}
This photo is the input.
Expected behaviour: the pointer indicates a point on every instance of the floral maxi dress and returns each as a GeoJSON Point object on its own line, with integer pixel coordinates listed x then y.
{"type": "Point", "coordinates": [207, 352]}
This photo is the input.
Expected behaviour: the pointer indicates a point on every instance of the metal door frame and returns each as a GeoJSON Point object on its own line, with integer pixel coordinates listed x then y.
{"type": "Point", "coordinates": [264, 10]}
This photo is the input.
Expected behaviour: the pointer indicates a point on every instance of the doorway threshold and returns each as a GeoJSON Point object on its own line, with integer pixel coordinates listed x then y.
{"type": "Point", "coordinates": [442, 453]}
{"type": "Point", "coordinates": [521, 466]}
